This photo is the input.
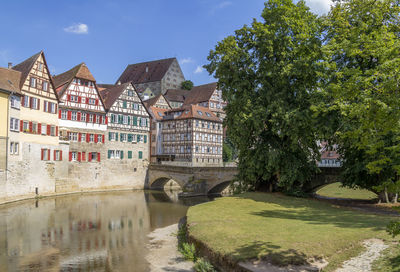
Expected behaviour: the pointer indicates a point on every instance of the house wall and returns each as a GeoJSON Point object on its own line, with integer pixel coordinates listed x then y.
{"type": "Point", "coordinates": [3, 129]}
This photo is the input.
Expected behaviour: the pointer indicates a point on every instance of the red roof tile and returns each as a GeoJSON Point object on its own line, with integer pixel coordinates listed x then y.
{"type": "Point", "coordinates": [196, 112]}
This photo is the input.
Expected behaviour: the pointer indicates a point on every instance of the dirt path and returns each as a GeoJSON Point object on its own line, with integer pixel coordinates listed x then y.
{"type": "Point", "coordinates": [363, 262]}
{"type": "Point", "coordinates": [164, 255]}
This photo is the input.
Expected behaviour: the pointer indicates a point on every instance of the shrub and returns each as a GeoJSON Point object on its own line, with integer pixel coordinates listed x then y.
{"type": "Point", "coordinates": [188, 251]}
{"type": "Point", "coordinates": [203, 265]}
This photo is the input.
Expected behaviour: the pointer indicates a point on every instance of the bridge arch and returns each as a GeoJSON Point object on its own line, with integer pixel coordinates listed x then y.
{"type": "Point", "coordinates": [217, 189]}
{"type": "Point", "coordinates": [159, 183]}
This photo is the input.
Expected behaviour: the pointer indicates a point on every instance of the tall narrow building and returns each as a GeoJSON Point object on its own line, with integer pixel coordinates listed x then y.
{"type": "Point", "coordinates": [82, 115]}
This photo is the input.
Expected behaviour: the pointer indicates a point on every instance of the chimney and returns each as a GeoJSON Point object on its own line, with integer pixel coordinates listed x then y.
{"type": "Point", "coordinates": [9, 65]}
{"type": "Point", "coordinates": [119, 82]}
{"type": "Point", "coordinates": [147, 69]}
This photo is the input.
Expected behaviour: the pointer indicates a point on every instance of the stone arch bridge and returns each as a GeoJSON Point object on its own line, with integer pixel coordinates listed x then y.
{"type": "Point", "coordinates": [194, 181]}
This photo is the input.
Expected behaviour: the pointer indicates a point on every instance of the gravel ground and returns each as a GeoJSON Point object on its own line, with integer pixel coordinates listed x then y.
{"type": "Point", "coordinates": [363, 262]}
{"type": "Point", "coordinates": [164, 255]}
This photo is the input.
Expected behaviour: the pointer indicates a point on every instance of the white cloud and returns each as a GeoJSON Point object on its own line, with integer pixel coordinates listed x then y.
{"type": "Point", "coordinates": [199, 70]}
{"type": "Point", "coordinates": [319, 6]}
{"type": "Point", "coordinates": [221, 5]}
{"type": "Point", "coordinates": [186, 60]}
{"type": "Point", "coordinates": [77, 29]}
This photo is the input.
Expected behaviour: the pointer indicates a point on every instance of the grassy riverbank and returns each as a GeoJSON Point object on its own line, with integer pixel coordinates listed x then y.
{"type": "Point", "coordinates": [335, 190]}
{"type": "Point", "coordinates": [283, 230]}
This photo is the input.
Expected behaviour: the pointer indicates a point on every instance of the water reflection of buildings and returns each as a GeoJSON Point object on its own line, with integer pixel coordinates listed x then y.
{"type": "Point", "coordinates": [82, 233]}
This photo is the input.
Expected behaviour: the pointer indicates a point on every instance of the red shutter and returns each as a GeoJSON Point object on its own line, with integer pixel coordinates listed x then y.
{"type": "Point", "coordinates": [70, 156]}
{"type": "Point", "coordinates": [79, 156]}
{"type": "Point", "coordinates": [79, 116]}
{"type": "Point", "coordinates": [39, 128]}
{"type": "Point", "coordinates": [89, 158]}
{"type": "Point", "coordinates": [60, 155]}
{"type": "Point", "coordinates": [55, 108]}
{"type": "Point", "coordinates": [30, 127]}
{"type": "Point", "coordinates": [95, 138]}
{"type": "Point", "coordinates": [30, 102]}
{"type": "Point", "coordinates": [48, 154]}
{"type": "Point", "coordinates": [101, 119]}
{"type": "Point", "coordinates": [41, 156]}
{"type": "Point", "coordinates": [79, 99]}
{"type": "Point", "coordinates": [106, 120]}
{"type": "Point", "coordinates": [21, 125]}
{"type": "Point", "coordinates": [45, 106]}
{"type": "Point", "coordinates": [56, 130]}
{"type": "Point", "coordinates": [54, 155]}
{"type": "Point", "coordinates": [68, 97]}
{"type": "Point", "coordinates": [59, 114]}
{"type": "Point", "coordinates": [98, 156]}
{"type": "Point", "coordinates": [79, 137]}
{"type": "Point", "coordinates": [94, 118]}
{"type": "Point", "coordinates": [97, 102]}
{"type": "Point", "coordinates": [102, 139]}
{"type": "Point", "coordinates": [83, 156]}
{"type": "Point", "coordinates": [23, 101]}
{"type": "Point", "coordinates": [38, 104]}
{"type": "Point", "coordinates": [87, 137]}
{"type": "Point", "coordinates": [48, 130]}
{"type": "Point", "coordinates": [69, 115]}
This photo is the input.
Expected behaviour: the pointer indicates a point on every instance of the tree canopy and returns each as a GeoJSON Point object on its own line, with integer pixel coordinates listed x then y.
{"type": "Point", "coordinates": [268, 73]}
{"type": "Point", "coordinates": [187, 85]}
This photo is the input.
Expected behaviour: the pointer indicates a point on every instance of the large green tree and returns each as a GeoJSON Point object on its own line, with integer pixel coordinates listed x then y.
{"type": "Point", "coordinates": [268, 73]}
{"type": "Point", "coordinates": [361, 91]}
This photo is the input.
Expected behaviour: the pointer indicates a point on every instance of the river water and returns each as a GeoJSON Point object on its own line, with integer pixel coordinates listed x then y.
{"type": "Point", "coordinates": [86, 232]}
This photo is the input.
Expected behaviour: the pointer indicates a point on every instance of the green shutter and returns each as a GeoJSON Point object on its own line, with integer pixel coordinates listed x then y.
{"type": "Point", "coordinates": [129, 120]}
{"type": "Point", "coordinates": [122, 154]}
{"type": "Point", "coordinates": [147, 123]}
{"type": "Point", "coordinates": [116, 136]}
{"type": "Point", "coordinates": [124, 104]}
{"type": "Point", "coordinates": [134, 120]}
{"type": "Point", "coordinates": [129, 138]}
{"type": "Point", "coordinates": [109, 136]}
{"type": "Point", "coordinates": [109, 153]}
{"type": "Point", "coordinates": [140, 154]}
{"type": "Point", "coordinates": [138, 138]}
{"type": "Point", "coordinates": [120, 118]}
{"type": "Point", "coordinates": [145, 138]}
{"type": "Point", "coordinates": [120, 137]}
{"type": "Point", "coordinates": [129, 154]}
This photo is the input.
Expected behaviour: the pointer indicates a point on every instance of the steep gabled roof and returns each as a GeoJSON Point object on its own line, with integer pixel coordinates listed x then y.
{"type": "Point", "coordinates": [152, 101]}
{"type": "Point", "coordinates": [25, 67]}
{"type": "Point", "coordinates": [112, 93]}
{"type": "Point", "coordinates": [62, 81]}
{"type": "Point", "coordinates": [194, 111]}
{"type": "Point", "coordinates": [157, 113]}
{"type": "Point", "coordinates": [146, 71]}
{"type": "Point", "coordinates": [201, 93]}
{"type": "Point", "coordinates": [176, 95]}
{"type": "Point", "coordinates": [10, 80]}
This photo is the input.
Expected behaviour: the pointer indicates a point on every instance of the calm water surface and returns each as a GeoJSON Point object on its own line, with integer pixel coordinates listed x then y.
{"type": "Point", "coordinates": [89, 232]}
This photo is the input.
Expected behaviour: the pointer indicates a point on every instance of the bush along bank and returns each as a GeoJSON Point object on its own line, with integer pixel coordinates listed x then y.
{"type": "Point", "coordinates": [189, 252]}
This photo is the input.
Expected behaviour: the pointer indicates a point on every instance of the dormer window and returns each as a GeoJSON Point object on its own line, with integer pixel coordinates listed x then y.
{"type": "Point", "coordinates": [208, 114]}
{"type": "Point", "coordinates": [200, 112]}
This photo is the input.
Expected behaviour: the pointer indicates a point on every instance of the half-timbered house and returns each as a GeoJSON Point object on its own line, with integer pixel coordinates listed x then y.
{"type": "Point", "coordinates": [128, 131]}
{"type": "Point", "coordinates": [157, 107]}
{"type": "Point", "coordinates": [193, 134]}
{"type": "Point", "coordinates": [82, 116]}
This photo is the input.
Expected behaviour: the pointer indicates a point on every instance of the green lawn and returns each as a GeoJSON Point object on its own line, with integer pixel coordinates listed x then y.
{"type": "Point", "coordinates": [335, 190]}
{"type": "Point", "coordinates": [283, 229]}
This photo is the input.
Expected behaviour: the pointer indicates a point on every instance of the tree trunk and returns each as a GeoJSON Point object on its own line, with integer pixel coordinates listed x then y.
{"type": "Point", "coordinates": [395, 198]}
{"type": "Point", "coordinates": [386, 196]}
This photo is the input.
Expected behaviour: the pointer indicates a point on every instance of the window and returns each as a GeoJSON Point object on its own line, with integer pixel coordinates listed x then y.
{"type": "Point", "coordinates": [140, 155]}
{"type": "Point", "coordinates": [73, 156]}
{"type": "Point", "coordinates": [135, 106]}
{"type": "Point", "coordinates": [103, 120]}
{"type": "Point", "coordinates": [129, 154]}
{"type": "Point", "coordinates": [83, 100]}
{"type": "Point", "coordinates": [83, 117]}
{"type": "Point", "coordinates": [44, 130]}
{"type": "Point", "coordinates": [14, 124]}
{"type": "Point", "coordinates": [208, 114]}
{"type": "Point", "coordinates": [45, 85]}
{"type": "Point", "coordinates": [45, 154]}
{"type": "Point", "coordinates": [143, 122]}
{"type": "Point", "coordinates": [26, 126]}
{"type": "Point", "coordinates": [93, 156]}
{"type": "Point", "coordinates": [92, 101]}
{"type": "Point", "coordinates": [117, 154]}
{"type": "Point", "coordinates": [34, 102]}
{"type": "Point", "coordinates": [90, 118]}
{"type": "Point", "coordinates": [74, 116]}
{"type": "Point", "coordinates": [73, 136]}
{"type": "Point", "coordinates": [15, 102]}
{"type": "Point", "coordinates": [34, 127]}
{"type": "Point", "coordinates": [57, 155]}
{"type": "Point", "coordinates": [40, 66]}
{"type": "Point", "coordinates": [91, 138]}
{"type": "Point", "coordinates": [33, 82]}
{"type": "Point", "coordinates": [125, 119]}
{"type": "Point", "coordinates": [64, 115]}
{"type": "Point", "coordinates": [111, 154]}
{"type": "Point", "coordinates": [130, 93]}
{"type": "Point", "coordinates": [123, 137]}
{"type": "Point", "coordinates": [83, 137]}
{"type": "Point", "coordinates": [97, 119]}
{"type": "Point", "coordinates": [99, 138]}
{"type": "Point", "coordinates": [26, 101]}
{"type": "Point", "coordinates": [73, 98]}
{"type": "Point", "coordinates": [53, 131]}
{"type": "Point", "coordinates": [14, 148]}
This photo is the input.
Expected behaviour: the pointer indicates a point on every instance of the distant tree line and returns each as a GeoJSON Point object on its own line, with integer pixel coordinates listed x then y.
{"type": "Point", "coordinates": [295, 78]}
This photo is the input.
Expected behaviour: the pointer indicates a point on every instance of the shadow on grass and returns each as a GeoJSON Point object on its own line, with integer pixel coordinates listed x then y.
{"type": "Point", "coordinates": [316, 212]}
{"type": "Point", "coordinates": [270, 253]}
{"type": "Point", "coordinates": [395, 263]}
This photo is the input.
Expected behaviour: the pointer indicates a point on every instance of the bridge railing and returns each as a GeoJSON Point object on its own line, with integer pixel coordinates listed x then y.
{"type": "Point", "coordinates": [196, 164]}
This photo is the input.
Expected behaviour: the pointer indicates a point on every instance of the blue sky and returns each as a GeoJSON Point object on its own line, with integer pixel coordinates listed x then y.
{"type": "Point", "coordinates": [108, 35]}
